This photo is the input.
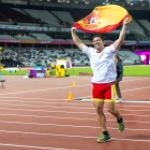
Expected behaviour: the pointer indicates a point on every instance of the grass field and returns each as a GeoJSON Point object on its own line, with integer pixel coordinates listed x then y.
{"type": "Point", "coordinates": [128, 71]}
{"type": "Point", "coordinates": [137, 70]}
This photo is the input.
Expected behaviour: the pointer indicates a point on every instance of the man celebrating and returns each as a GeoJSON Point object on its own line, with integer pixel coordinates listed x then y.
{"type": "Point", "coordinates": [104, 76]}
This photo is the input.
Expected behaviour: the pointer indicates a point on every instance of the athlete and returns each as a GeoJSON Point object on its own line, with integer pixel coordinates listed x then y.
{"type": "Point", "coordinates": [119, 70]}
{"type": "Point", "coordinates": [104, 77]}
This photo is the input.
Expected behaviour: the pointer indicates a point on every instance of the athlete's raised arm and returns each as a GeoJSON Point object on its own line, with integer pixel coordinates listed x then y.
{"type": "Point", "coordinates": [117, 44]}
{"type": "Point", "coordinates": [76, 39]}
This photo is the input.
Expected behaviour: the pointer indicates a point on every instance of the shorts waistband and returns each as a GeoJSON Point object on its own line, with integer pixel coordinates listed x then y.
{"type": "Point", "coordinates": [109, 83]}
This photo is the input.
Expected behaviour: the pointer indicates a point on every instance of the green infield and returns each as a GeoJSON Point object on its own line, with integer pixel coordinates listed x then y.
{"type": "Point", "coordinates": [142, 70]}
{"type": "Point", "coordinates": [77, 71]}
{"type": "Point", "coordinates": [17, 72]}
{"type": "Point", "coordinates": [128, 71]}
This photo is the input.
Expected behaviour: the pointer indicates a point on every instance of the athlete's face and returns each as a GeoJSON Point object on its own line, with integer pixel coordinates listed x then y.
{"type": "Point", "coordinates": [98, 44]}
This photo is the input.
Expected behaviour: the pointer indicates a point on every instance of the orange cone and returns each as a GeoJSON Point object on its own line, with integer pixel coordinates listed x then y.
{"type": "Point", "coordinates": [73, 83]}
{"type": "Point", "coordinates": [70, 96]}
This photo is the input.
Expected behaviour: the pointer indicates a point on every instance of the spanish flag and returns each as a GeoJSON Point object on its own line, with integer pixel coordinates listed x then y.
{"type": "Point", "coordinates": [103, 19]}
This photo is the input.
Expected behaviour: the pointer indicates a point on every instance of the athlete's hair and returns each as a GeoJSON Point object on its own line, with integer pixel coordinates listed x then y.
{"type": "Point", "coordinates": [101, 37]}
{"type": "Point", "coordinates": [119, 59]}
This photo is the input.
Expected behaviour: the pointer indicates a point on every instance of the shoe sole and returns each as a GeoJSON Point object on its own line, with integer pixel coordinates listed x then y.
{"type": "Point", "coordinates": [104, 141]}
{"type": "Point", "coordinates": [121, 131]}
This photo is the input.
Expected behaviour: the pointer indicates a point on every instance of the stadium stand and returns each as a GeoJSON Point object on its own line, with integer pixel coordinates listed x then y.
{"type": "Point", "coordinates": [44, 16]}
{"type": "Point", "coordinates": [47, 18]}
{"type": "Point", "coordinates": [65, 16]}
{"type": "Point", "coordinates": [41, 36]}
{"type": "Point", "coordinates": [14, 15]}
{"type": "Point", "coordinates": [44, 57]}
{"type": "Point", "coordinates": [6, 37]}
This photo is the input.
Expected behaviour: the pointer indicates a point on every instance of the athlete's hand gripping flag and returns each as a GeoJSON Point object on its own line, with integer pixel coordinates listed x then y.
{"type": "Point", "coordinates": [103, 19]}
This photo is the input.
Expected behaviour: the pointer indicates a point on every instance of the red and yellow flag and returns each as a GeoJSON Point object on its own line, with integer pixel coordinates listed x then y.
{"type": "Point", "coordinates": [103, 19]}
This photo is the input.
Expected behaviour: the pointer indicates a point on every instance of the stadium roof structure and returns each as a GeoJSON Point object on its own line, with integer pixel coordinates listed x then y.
{"type": "Point", "coordinates": [88, 4]}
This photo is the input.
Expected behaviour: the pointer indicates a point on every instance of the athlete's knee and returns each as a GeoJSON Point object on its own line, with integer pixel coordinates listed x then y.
{"type": "Point", "coordinates": [99, 110]}
{"type": "Point", "coordinates": [111, 110]}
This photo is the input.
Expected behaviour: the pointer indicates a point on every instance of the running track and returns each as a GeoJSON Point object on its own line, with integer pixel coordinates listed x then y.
{"type": "Point", "coordinates": [36, 115]}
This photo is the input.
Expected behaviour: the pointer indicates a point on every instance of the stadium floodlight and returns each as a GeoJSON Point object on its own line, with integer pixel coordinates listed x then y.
{"type": "Point", "coordinates": [107, 2]}
{"type": "Point", "coordinates": [61, 1]}
{"type": "Point", "coordinates": [67, 1]}
{"type": "Point", "coordinates": [87, 2]}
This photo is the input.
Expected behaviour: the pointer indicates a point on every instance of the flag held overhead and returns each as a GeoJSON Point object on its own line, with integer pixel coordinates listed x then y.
{"type": "Point", "coordinates": [103, 19]}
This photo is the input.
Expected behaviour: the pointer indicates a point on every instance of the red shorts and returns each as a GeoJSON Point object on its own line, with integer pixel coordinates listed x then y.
{"type": "Point", "coordinates": [104, 91]}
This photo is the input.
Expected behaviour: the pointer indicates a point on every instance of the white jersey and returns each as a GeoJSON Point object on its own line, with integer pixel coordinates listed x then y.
{"type": "Point", "coordinates": [102, 64]}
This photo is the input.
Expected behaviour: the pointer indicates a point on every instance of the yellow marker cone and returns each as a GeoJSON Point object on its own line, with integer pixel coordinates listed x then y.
{"type": "Point", "coordinates": [73, 83]}
{"type": "Point", "coordinates": [70, 96]}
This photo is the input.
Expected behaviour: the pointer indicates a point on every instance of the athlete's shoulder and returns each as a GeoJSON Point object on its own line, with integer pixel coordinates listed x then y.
{"type": "Point", "coordinates": [91, 49]}
{"type": "Point", "coordinates": [109, 48]}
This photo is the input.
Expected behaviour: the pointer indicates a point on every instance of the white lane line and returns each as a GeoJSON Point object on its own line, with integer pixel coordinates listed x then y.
{"type": "Point", "coordinates": [38, 116]}
{"type": "Point", "coordinates": [47, 89]}
{"type": "Point", "coordinates": [44, 106]}
{"type": "Point", "coordinates": [67, 125]}
{"type": "Point", "coordinates": [29, 100]}
{"type": "Point", "coordinates": [43, 90]}
{"type": "Point", "coordinates": [68, 112]}
{"type": "Point", "coordinates": [133, 140]}
{"type": "Point", "coordinates": [68, 103]}
{"type": "Point", "coordinates": [135, 80]}
{"type": "Point", "coordinates": [135, 89]}
{"type": "Point", "coordinates": [70, 118]}
{"type": "Point", "coordinates": [66, 107]}
{"type": "Point", "coordinates": [42, 102]}
{"type": "Point", "coordinates": [33, 147]}
{"type": "Point", "coordinates": [49, 111]}
{"type": "Point", "coordinates": [64, 135]}
{"type": "Point", "coordinates": [47, 99]}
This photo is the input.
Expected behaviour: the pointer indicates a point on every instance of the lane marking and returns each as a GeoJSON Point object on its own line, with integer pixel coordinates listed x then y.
{"type": "Point", "coordinates": [43, 90]}
{"type": "Point", "coordinates": [64, 102]}
{"type": "Point", "coordinates": [71, 118]}
{"type": "Point", "coordinates": [135, 80]}
{"type": "Point", "coordinates": [67, 125]}
{"type": "Point", "coordinates": [135, 89]}
{"type": "Point", "coordinates": [33, 147]}
{"type": "Point", "coordinates": [68, 112]}
{"type": "Point", "coordinates": [64, 87]}
{"type": "Point", "coordinates": [65, 135]}
{"type": "Point", "coordinates": [68, 107]}
{"type": "Point", "coordinates": [47, 99]}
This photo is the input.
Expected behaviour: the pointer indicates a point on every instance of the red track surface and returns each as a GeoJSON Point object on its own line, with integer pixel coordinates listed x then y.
{"type": "Point", "coordinates": [35, 114]}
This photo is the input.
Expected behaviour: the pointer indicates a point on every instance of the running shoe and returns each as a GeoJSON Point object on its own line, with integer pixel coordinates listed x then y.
{"type": "Point", "coordinates": [104, 138]}
{"type": "Point", "coordinates": [121, 125]}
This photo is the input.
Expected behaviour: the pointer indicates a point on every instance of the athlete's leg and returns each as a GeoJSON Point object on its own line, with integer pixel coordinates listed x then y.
{"type": "Point", "coordinates": [110, 96]}
{"type": "Point", "coordinates": [115, 112]}
{"type": "Point", "coordinates": [100, 114]}
{"type": "Point", "coordinates": [98, 101]}
{"type": "Point", "coordinates": [112, 109]}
